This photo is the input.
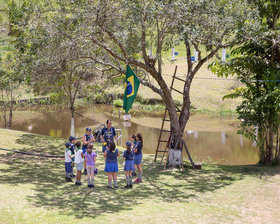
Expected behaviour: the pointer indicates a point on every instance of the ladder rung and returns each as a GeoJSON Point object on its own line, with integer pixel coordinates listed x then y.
{"type": "Point", "coordinates": [177, 91]}
{"type": "Point", "coordinates": [165, 130]}
{"type": "Point", "coordinates": [180, 79]}
{"type": "Point", "coordinates": [162, 151]}
{"type": "Point", "coordinates": [165, 119]}
{"type": "Point", "coordinates": [163, 140]}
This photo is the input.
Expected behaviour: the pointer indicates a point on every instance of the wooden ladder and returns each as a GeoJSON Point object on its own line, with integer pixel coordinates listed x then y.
{"type": "Point", "coordinates": [162, 130]}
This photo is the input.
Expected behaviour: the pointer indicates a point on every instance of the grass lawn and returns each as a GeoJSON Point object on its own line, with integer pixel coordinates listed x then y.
{"type": "Point", "coordinates": [33, 190]}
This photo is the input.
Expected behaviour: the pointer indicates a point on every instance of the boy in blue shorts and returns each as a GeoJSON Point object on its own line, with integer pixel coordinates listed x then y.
{"type": "Point", "coordinates": [68, 162]}
{"type": "Point", "coordinates": [72, 141]}
{"type": "Point", "coordinates": [79, 162]}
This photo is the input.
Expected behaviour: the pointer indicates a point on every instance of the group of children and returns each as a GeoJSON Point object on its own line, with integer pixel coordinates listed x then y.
{"type": "Point", "coordinates": [85, 157]}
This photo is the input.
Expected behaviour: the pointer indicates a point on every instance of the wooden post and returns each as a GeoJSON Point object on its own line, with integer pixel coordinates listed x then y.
{"type": "Point", "coordinates": [188, 153]}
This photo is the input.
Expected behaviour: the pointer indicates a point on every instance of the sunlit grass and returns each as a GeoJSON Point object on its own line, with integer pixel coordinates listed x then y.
{"type": "Point", "coordinates": [33, 190]}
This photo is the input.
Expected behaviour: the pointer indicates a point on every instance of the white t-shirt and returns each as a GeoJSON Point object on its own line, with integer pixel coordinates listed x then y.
{"type": "Point", "coordinates": [78, 156]}
{"type": "Point", "coordinates": [68, 156]}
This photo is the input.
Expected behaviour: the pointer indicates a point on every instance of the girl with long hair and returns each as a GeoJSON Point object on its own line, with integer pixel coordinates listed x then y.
{"type": "Point", "coordinates": [138, 156]}
{"type": "Point", "coordinates": [111, 164]}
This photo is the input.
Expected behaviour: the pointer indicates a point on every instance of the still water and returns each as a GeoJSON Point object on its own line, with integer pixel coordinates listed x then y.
{"type": "Point", "coordinates": [223, 146]}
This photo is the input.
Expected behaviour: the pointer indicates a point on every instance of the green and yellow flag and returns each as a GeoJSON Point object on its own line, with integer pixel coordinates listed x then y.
{"type": "Point", "coordinates": [131, 88]}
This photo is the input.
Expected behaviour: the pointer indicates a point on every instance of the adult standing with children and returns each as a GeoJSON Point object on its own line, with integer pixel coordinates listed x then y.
{"type": "Point", "coordinates": [108, 134]}
{"type": "Point", "coordinates": [87, 139]}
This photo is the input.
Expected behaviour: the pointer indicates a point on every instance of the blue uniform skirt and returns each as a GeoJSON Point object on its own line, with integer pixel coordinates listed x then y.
{"type": "Point", "coordinates": [111, 167]}
{"type": "Point", "coordinates": [138, 159]}
{"type": "Point", "coordinates": [129, 165]}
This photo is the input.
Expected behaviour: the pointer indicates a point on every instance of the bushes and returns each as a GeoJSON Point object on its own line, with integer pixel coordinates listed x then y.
{"type": "Point", "coordinates": [118, 103]}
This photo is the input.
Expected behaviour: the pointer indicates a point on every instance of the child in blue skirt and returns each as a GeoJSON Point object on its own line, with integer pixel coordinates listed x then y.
{"type": "Point", "coordinates": [111, 164]}
{"type": "Point", "coordinates": [129, 164]}
{"type": "Point", "coordinates": [138, 157]}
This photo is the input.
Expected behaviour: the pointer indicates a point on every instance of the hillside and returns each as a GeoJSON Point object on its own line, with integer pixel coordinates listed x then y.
{"type": "Point", "coordinates": [206, 92]}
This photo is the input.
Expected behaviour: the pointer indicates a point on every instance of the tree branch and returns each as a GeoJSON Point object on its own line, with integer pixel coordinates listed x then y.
{"type": "Point", "coordinates": [115, 55]}
{"type": "Point", "coordinates": [110, 34]}
{"type": "Point", "coordinates": [143, 37]}
{"type": "Point", "coordinates": [106, 48]}
{"type": "Point", "coordinates": [151, 86]}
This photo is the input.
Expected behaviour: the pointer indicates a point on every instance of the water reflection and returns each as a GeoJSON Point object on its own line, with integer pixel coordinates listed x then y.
{"type": "Point", "coordinates": [222, 147]}
{"type": "Point", "coordinates": [241, 141]}
{"type": "Point", "coordinates": [223, 137]}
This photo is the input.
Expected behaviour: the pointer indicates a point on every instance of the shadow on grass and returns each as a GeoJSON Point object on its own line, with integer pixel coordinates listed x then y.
{"type": "Point", "coordinates": [41, 144]}
{"type": "Point", "coordinates": [51, 191]}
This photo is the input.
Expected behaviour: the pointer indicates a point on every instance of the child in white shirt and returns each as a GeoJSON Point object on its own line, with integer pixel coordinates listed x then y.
{"type": "Point", "coordinates": [68, 162]}
{"type": "Point", "coordinates": [79, 158]}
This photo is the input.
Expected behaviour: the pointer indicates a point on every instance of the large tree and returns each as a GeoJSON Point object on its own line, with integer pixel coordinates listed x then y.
{"type": "Point", "coordinates": [57, 66]}
{"type": "Point", "coordinates": [47, 36]}
{"type": "Point", "coordinates": [257, 65]}
{"type": "Point", "coordinates": [10, 78]}
{"type": "Point", "coordinates": [125, 30]}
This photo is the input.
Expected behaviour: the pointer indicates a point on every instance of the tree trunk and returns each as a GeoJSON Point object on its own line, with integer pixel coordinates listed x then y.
{"type": "Point", "coordinates": [278, 149]}
{"type": "Point", "coordinates": [72, 120]}
{"type": "Point", "coordinates": [277, 154]}
{"type": "Point", "coordinates": [267, 148]}
{"type": "Point", "coordinates": [175, 151]}
{"type": "Point", "coordinates": [270, 152]}
{"type": "Point", "coordinates": [185, 111]}
{"type": "Point", "coordinates": [4, 114]}
{"type": "Point", "coordinates": [11, 112]}
{"type": "Point", "coordinates": [174, 157]}
{"type": "Point", "coordinates": [177, 131]}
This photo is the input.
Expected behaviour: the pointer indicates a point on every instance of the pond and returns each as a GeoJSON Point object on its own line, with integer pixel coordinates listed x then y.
{"type": "Point", "coordinates": [208, 139]}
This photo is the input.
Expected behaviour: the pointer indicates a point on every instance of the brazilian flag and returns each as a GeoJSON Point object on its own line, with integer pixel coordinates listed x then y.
{"type": "Point", "coordinates": [131, 87]}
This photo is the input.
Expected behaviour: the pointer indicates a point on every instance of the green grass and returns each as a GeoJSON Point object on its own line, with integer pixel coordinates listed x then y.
{"type": "Point", "coordinates": [33, 190]}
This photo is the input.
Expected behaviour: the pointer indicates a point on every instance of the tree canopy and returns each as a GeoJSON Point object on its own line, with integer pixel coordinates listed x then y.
{"type": "Point", "coordinates": [257, 65]}
{"type": "Point", "coordinates": [66, 43]}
